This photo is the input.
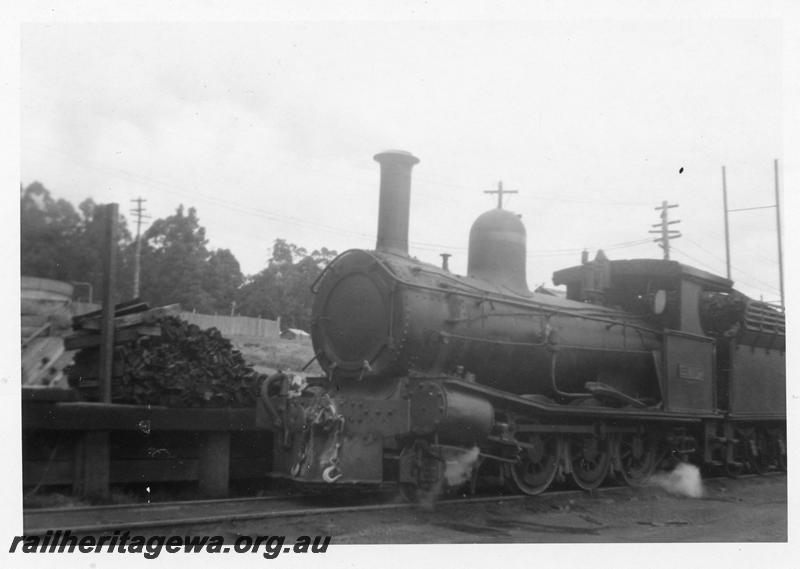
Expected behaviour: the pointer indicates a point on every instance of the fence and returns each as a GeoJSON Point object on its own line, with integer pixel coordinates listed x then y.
{"type": "Point", "coordinates": [236, 325]}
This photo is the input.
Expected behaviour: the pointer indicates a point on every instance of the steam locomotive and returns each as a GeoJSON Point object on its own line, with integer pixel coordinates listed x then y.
{"type": "Point", "coordinates": [425, 370]}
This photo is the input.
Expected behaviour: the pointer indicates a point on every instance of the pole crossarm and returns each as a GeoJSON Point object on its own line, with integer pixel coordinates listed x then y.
{"type": "Point", "coordinates": [500, 193]}
{"type": "Point", "coordinates": [752, 208]}
{"type": "Point", "coordinates": [664, 230]}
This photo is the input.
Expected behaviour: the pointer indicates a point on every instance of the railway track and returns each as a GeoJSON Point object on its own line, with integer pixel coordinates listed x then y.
{"type": "Point", "coordinates": [188, 514]}
{"type": "Point", "coordinates": [93, 519]}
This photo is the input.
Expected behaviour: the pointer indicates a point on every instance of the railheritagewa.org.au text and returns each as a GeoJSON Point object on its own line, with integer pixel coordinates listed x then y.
{"type": "Point", "coordinates": [269, 546]}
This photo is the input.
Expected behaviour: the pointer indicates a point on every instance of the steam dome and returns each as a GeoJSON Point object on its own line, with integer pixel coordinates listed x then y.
{"type": "Point", "coordinates": [497, 250]}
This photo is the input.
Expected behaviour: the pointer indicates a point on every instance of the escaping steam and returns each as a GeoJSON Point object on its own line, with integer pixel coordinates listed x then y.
{"type": "Point", "coordinates": [684, 480]}
{"type": "Point", "coordinates": [458, 469]}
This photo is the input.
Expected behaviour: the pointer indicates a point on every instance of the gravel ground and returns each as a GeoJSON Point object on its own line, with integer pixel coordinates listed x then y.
{"type": "Point", "coordinates": [751, 509]}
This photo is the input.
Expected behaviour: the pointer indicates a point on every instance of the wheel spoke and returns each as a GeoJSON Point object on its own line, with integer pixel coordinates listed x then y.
{"type": "Point", "coordinates": [637, 457]}
{"type": "Point", "coordinates": [590, 459]}
{"type": "Point", "coordinates": [537, 462]}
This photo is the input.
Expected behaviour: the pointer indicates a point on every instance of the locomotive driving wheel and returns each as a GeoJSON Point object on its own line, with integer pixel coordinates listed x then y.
{"type": "Point", "coordinates": [537, 462]}
{"type": "Point", "coordinates": [636, 453]}
{"type": "Point", "coordinates": [421, 473]}
{"type": "Point", "coordinates": [589, 457]}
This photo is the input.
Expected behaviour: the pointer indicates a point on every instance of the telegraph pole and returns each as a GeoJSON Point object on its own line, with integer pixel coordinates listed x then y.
{"type": "Point", "coordinates": [778, 219]}
{"type": "Point", "coordinates": [138, 211]}
{"type": "Point", "coordinates": [664, 230]}
{"type": "Point", "coordinates": [500, 192]}
{"type": "Point", "coordinates": [727, 234]}
{"type": "Point", "coordinates": [777, 207]}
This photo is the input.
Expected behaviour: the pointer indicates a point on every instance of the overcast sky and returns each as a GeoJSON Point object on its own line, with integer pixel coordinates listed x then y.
{"type": "Point", "coordinates": [269, 131]}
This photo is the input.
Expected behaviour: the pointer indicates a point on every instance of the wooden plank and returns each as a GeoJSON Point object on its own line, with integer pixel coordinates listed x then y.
{"type": "Point", "coordinates": [47, 472]}
{"type": "Point", "coordinates": [100, 416]}
{"type": "Point", "coordinates": [48, 445]}
{"type": "Point", "coordinates": [34, 319]}
{"type": "Point", "coordinates": [214, 465]}
{"type": "Point", "coordinates": [147, 316]}
{"type": "Point", "coordinates": [87, 373]}
{"type": "Point", "coordinates": [92, 466]}
{"type": "Point", "coordinates": [160, 445]}
{"type": "Point", "coordinates": [124, 336]}
{"type": "Point", "coordinates": [251, 444]}
{"type": "Point", "coordinates": [148, 471]}
{"type": "Point", "coordinates": [120, 309]}
{"type": "Point", "coordinates": [121, 472]}
{"type": "Point", "coordinates": [250, 467]}
{"type": "Point", "coordinates": [39, 357]}
{"type": "Point", "coordinates": [61, 472]}
{"type": "Point", "coordinates": [51, 458]}
{"type": "Point", "coordinates": [48, 394]}
{"type": "Point", "coordinates": [30, 337]}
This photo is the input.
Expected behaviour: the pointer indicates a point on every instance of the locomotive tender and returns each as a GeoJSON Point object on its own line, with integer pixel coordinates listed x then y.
{"type": "Point", "coordinates": [425, 369]}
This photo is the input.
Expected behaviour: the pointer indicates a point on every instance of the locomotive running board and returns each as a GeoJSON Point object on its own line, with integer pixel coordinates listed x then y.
{"type": "Point", "coordinates": [505, 399]}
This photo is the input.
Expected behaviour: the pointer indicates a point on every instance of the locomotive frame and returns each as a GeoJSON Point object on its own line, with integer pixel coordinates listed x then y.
{"type": "Point", "coordinates": [433, 379]}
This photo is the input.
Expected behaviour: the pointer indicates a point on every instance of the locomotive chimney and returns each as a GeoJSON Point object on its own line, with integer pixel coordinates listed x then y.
{"type": "Point", "coordinates": [395, 199]}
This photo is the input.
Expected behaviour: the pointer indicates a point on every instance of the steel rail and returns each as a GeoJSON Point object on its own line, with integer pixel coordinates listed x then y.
{"type": "Point", "coordinates": [165, 504]}
{"type": "Point", "coordinates": [301, 512]}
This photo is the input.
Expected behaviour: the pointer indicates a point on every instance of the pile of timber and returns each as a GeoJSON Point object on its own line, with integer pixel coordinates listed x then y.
{"type": "Point", "coordinates": [160, 359]}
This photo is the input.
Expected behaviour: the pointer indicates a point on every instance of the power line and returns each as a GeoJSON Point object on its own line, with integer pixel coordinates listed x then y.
{"type": "Point", "coordinates": [703, 264]}
{"type": "Point", "coordinates": [298, 222]}
{"type": "Point", "coordinates": [261, 213]}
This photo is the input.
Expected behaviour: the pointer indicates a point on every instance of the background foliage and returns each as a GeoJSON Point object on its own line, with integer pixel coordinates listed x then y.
{"type": "Point", "coordinates": [61, 242]}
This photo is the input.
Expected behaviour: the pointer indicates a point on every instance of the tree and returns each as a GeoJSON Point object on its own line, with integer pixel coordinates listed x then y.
{"type": "Point", "coordinates": [58, 242]}
{"type": "Point", "coordinates": [222, 279]}
{"type": "Point", "coordinates": [47, 227]}
{"type": "Point", "coordinates": [173, 261]}
{"type": "Point", "coordinates": [284, 287]}
{"type": "Point", "coordinates": [177, 267]}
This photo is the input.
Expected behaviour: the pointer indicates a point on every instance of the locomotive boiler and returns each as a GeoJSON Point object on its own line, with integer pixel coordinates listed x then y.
{"type": "Point", "coordinates": [426, 371]}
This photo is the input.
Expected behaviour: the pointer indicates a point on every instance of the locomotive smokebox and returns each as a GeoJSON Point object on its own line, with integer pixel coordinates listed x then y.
{"type": "Point", "coordinates": [395, 199]}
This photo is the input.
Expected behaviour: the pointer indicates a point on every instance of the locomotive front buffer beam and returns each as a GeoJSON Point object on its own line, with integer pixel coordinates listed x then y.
{"type": "Point", "coordinates": [330, 439]}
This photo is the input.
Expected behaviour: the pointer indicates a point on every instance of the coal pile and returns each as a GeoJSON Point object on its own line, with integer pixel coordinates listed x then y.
{"type": "Point", "coordinates": [160, 359]}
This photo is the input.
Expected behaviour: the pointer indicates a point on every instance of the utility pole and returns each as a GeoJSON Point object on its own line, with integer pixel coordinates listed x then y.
{"type": "Point", "coordinates": [727, 234]}
{"type": "Point", "coordinates": [777, 207]}
{"type": "Point", "coordinates": [138, 211]}
{"type": "Point", "coordinates": [500, 192]}
{"type": "Point", "coordinates": [665, 231]}
{"type": "Point", "coordinates": [778, 219]}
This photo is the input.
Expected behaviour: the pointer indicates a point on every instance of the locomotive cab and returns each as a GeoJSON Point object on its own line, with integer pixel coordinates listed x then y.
{"type": "Point", "coordinates": [667, 294]}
